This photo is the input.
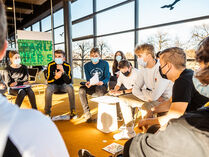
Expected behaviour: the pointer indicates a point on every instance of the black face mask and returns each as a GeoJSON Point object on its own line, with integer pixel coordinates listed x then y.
{"type": "Point", "coordinates": [161, 73]}
{"type": "Point", "coordinates": [126, 73]}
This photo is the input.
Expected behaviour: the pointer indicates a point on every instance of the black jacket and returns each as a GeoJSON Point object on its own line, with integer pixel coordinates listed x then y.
{"type": "Point", "coordinates": [65, 78]}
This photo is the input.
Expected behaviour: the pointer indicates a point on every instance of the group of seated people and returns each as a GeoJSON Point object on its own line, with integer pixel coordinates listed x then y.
{"type": "Point", "coordinates": [162, 85]}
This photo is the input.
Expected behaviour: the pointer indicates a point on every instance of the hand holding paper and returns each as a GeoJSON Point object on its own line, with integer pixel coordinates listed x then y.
{"type": "Point", "coordinates": [95, 79]}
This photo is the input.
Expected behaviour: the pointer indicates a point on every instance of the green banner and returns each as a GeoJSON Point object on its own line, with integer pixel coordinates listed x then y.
{"type": "Point", "coordinates": [35, 52]}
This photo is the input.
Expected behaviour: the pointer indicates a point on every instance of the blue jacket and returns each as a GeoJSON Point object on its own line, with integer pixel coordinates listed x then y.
{"type": "Point", "coordinates": [102, 68]}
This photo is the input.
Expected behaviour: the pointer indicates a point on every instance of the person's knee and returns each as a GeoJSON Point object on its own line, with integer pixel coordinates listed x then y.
{"type": "Point", "coordinates": [30, 91]}
{"type": "Point", "coordinates": [21, 92]}
{"type": "Point", "coordinates": [82, 90]}
{"type": "Point", "coordinates": [69, 88]}
{"type": "Point", "coordinates": [49, 89]}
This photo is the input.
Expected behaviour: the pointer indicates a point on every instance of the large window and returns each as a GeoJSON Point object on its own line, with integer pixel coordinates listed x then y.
{"type": "Point", "coordinates": [111, 44]}
{"type": "Point", "coordinates": [58, 18]}
{"type": "Point", "coordinates": [81, 8]}
{"type": "Point", "coordinates": [36, 27]}
{"type": "Point", "coordinates": [151, 13]}
{"type": "Point", "coordinates": [83, 28]}
{"type": "Point", "coordinates": [102, 4]}
{"type": "Point", "coordinates": [59, 35]}
{"type": "Point", "coordinates": [81, 51]}
{"type": "Point", "coordinates": [115, 20]}
{"type": "Point", "coordinates": [46, 23]}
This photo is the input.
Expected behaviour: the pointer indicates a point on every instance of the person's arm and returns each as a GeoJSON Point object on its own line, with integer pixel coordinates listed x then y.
{"type": "Point", "coordinates": [50, 75]}
{"type": "Point", "coordinates": [176, 110]}
{"type": "Point", "coordinates": [8, 78]}
{"type": "Point", "coordinates": [67, 74]}
{"type": "Point", "coordinates": [87, 73]}
{"type": "Point", "coordinates": [106, 74]}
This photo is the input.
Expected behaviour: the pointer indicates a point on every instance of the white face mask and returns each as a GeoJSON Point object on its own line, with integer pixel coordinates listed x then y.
{"type": "Point", "coordinates": [141, 62]}
{"type": "Point", "coordinates": [118, 58]}
{"type": "Point", "coordinates": [58, 60]}
{"type": "Point", "coordinates": [17, 61]}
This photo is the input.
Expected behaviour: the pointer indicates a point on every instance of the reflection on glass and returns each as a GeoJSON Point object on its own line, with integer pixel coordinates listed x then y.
{"type": "Point", "coordinates": [58, 18]}
{"type": "Point", "coordinates": [151, 13]}
{"type": "Point", "coordinates": [115, 20]}
{"type": "Point", "coordinates": [81, 8]}
{"type": "Point", "coordinates": [28, 29]}
{"type": "Point", "coordinates": [83, 28]}
{"type": "Point", "coordinates": [46, 23]}
{"type": "Point", "coordinates": [59, 35]}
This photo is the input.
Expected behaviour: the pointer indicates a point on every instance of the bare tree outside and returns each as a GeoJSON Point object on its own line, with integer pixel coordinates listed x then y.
{"type": "Point", "coordinates": [199, 33]}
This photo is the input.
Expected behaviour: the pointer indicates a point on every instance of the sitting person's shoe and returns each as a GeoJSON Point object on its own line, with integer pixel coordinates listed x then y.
{"type": "Point", "coordinates": [84, 153]}
{"type": "Point", "coordinates": [87, 115]}
{"type": "Point", "coordinates": [124, 135]}
{"type": "Point", "coordinates": [73, 115]}
{"type": "Point", "coordinates": [122, 127]}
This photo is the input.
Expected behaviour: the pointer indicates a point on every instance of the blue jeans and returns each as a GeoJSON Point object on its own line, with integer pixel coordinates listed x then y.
{"type": "Point", "coordinates": [52, 88]}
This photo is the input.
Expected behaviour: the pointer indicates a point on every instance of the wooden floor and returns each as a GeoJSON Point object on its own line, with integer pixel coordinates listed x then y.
{"type": "Point", "coordinates": [77, 134]}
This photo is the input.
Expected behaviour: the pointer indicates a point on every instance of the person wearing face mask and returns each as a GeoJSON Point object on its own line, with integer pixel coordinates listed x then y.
{"type": "Point", "coordinates": [119, 55]}
{"type": "Point", "coordinates": [127, 77]}
{"type": "Point", "coordinates": [149, 88]}
{"type": "Point", "coordinates": [185, 97]}
{"type": "Point", "coordinates": [16, 75]}
{"type": "Point", "coordinates": [187, 135]}
{"type": "Point", "coordinates": [95, 66]}
{"type": "Point", "coordinates": [59, 80]}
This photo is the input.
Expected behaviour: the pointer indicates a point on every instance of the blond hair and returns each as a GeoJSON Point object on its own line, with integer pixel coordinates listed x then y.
{"type": "Point", "coordinates": [145, 48]}
{"type": "Point", "coordinates": [175, 56]}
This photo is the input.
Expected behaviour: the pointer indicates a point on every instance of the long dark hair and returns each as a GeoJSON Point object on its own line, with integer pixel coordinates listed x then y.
{"type": "Point", "coordinates": [202, 55]}
{"type": "Point", "coordinates": [115, 62]}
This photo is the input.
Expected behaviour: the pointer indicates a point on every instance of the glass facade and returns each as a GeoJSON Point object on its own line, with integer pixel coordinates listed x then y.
{"type": "Point", "coordinates": [114, 25]}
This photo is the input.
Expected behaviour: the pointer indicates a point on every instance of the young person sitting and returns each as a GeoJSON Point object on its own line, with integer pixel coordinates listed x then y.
{"type": "Point", "coordinates": [96, 68]}
{"type": "Point", "coordinates": [119, 55]}
{"type": "Point", "coordinates": [127, 77]}
{"type": "Point", "coordinates": [190, 130]}
{"type": "Point", "coordinates": [59, 80]}
{"type": "Point", "coordinates": [185, 97]}
{"type": "Point", "coordinates": [150, 87]}
{"type": "Point", "coordinates": [16, 74]}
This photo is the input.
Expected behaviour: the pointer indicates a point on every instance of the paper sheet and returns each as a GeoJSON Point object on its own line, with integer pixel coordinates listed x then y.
{"type": "Point", "coordinates": [95, 79]}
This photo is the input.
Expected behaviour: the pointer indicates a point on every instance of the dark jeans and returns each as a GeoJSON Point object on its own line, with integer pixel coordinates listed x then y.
{"type": "Point", "coordinates": [21, 93]}
{"type": "Point", "coordinates": [83, 91]}
{"type": "Point", "coordinates": [54, 88]}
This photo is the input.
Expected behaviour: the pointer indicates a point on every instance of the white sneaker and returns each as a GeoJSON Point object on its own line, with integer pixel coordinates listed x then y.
{"type": "Point", "coordinates": [61, 117]}
{"type": "Point", "coordinates": [124, 135]}
{"type": "Point", "coordinates": [122, 127]}
{"type": "Point", "coordinates": [87, 115]}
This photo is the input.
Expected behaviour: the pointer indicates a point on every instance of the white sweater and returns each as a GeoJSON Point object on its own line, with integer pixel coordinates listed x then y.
{"type": "Point", "coordinates": [150, 86]}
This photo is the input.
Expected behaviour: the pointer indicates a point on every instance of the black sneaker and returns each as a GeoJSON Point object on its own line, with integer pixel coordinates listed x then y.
{"type": "Point", "coordinates": [73, 115]}
{"type": "Point", "coordinates": [84, 153]}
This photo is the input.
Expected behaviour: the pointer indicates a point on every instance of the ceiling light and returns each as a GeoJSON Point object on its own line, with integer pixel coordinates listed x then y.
{"type": "Point", "coordinates": [9, 8]}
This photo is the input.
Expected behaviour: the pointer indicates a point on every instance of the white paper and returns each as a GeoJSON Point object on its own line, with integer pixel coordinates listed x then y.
{"type": "Point", "coordinates": [95, 79]}
{"type": "Point", "coordinates": [113, 148]}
